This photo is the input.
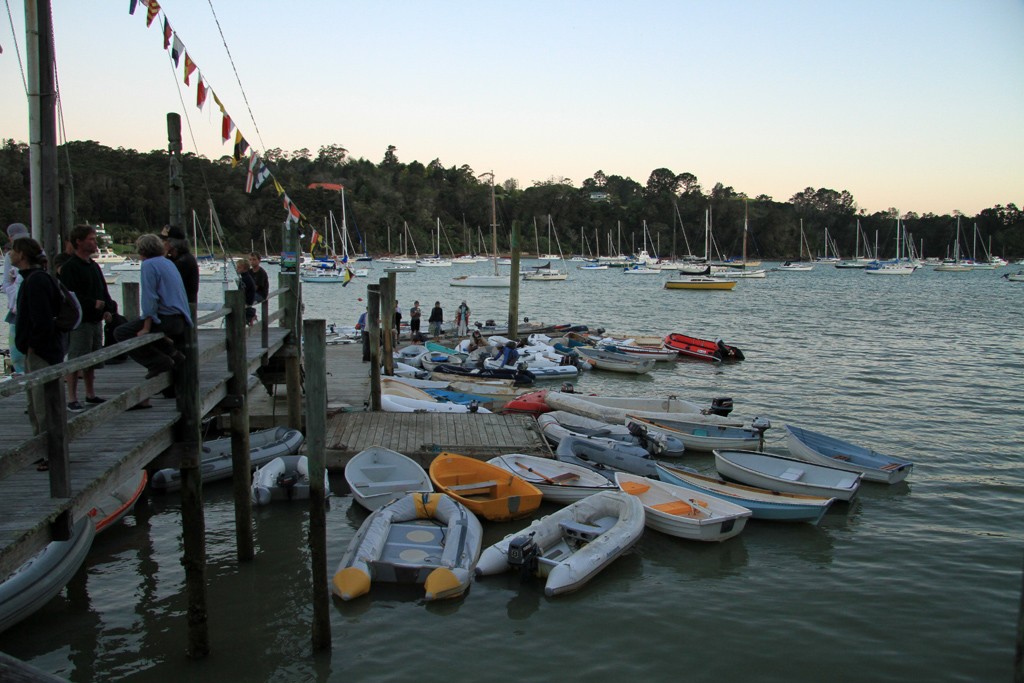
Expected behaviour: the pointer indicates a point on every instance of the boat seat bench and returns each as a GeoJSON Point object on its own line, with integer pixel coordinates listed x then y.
{"type": "Point", "coordinates": [792, 474]}
{"type": "Point", "coordinates": [474, 485]}
{"type": "Point", "coordinates": [385, 486]}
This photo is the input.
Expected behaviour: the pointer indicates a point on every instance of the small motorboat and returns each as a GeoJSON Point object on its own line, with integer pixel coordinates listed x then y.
{"type": "Point", "coordinates": [570, 546]}
{"type": "Point", "coordinates": [699, 282]}
{"type": "Point", "coordinates": [559, 482]}
{"type": "Point", "coordinates": [426, 538]}
{"type": "Point", "coordinates": [616, 409]}
{"type": "Point", "coordinates": [378, 475]}
{"type": "Point", "coordinates": [521, 378]}
{"type": "Point", "coordinates": [656, 353]}
{"type": "Point", "coordinates": [115, 505]}
{"type": "Point", "coordinates": [558, 424]}
{"type": "Point", "coordinates": [487, 490]}
{"type": "Point", "coordinates": [399, 404]}
{"type": "Point", "coordinates": [615, 455]}
{"type": "Point", "coordinates": [831, 452]}
{"type": "Point", "coordinates": [780, 473]}
{"type": "Point", "coordinates": [284, 478]}
{"type": "Point", "coordinates": [700, 436]}
{"type": "Point", "coordinates": [264, 446]}
{"type": "Point", "coordinates": [777, 506]}
{"type": "Point", "coordinates": [679, 512]}
{"type": "Point", "coordinates": [40, 579]}
{"type": "Point", "coordinates": [704, 349]}
{"type": "Point", "coordinates": [532, 403]}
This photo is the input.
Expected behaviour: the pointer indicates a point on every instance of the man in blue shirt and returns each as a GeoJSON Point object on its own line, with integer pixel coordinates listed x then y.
{"type": "Point", "coordinates": [164, 308]}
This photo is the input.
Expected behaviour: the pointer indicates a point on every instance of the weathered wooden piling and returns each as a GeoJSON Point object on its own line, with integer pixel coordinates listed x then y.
{"type": "Point", "coordinates": [387, 321]}
{"type": "Point", "coordinates": [315, 352]}
{"type": "Point", "coordinates": [373, 327]}
{"type": "Point", "coordinates": [291, 303]}
{"type": "Point", "coordinates": [238, 403]}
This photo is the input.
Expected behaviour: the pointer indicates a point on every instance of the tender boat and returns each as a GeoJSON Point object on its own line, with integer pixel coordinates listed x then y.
{"type": "Point", "coordinates": [679, 512]}
{"type": "Point", "coordinates": [615, 455]}
{"type": "Point", "coordinates": [615, 361]}
{"type": "Point", "coordinates": [700, 436]}
{"type": "Point", "coordinates": [777, 506]}
{"type": "Point", "coordinates": [114, 506]}
{"type": "Point", "coordinates": [533, 403]}
{"type": "Point", "coordinates": [40, 579]}
{"type": "Point", "coordinates": [558, 424]}
{"type": "Point", "coordinates": [559, 482]}
{"type": "Point", "coordinates": [487, 490]}
{"type": "Point", "coordinates": [399, 404]}
{"type": "Point", "coordinates": [520, 378]}
{"type": "Point", "coordinates": [264, 446]}
{"type": "Point", "coordinates": [656, 353]}
{"type": "Point", "coordinates": [831, 452]}
{"type": "Point", "coordinates": [705, 349]}
{"type": "Point", "coordinates": [787, 474]}
{"type": "Point", "coordinates": [570, 546]}
{"type": "Point", "coordinates": [425, 538]}
{"type": "Point", "coordinates": [699, 282]}
{"type": "Point", "coordinates": [378, 475]}
{"type": "Point", "coordinates": [284, 478]}
{"type": "Point", "coordinates": [615, 410]}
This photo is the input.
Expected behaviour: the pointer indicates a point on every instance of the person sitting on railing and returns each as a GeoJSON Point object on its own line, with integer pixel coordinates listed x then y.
{"type": "Point", "coordinates": [165, 309]}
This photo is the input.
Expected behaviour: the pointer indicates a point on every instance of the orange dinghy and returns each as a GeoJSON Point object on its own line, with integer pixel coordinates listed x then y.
{"type": "Point", "coordinates": [487, 490]}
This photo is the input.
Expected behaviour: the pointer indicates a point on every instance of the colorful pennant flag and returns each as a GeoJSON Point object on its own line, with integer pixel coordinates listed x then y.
{"type": "Point", "coordinates": [176, 49]}
{"type": "Point", "coordinates": [154, 9]}
{"type": "Point", "coordinates": [201, 91]}
{"type": "Point", "coordinates": [240, 148]}
{"type": "Point", "coordinates": [258, 172]}
{"type": "Point", "coordinates": [132, 5]}
{"type": "Point", "coordinates": [226, 125]}
{"type": "Point", "coordinates": [167, 33]}
{"type": "Point", "coordinates": [346, 278]}
{"type": "Point", "coordinates": [317, 238]}
{"type": "Point", "coordinates": [190, 66]}
{"type": "Point", "coordinates": [278, 188]}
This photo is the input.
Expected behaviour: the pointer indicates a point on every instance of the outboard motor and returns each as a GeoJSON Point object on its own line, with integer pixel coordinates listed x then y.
{"type": "Point", "coordinates": [522, 555]}
{"type": "Point", "coordinates": [721, 406]}
{"type": "Point", "coordinates": [474, 406]}
{"type": "Point", "coordinates": [650, 442]}
{"type": "Point", "coordinates": [568, 388]}
{"type": "Point", "coordinates": [760, 424]}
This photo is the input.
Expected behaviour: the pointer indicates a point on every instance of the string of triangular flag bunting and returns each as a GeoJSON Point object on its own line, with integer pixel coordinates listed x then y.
{"type": "Point", "coordinates": [258, 171]}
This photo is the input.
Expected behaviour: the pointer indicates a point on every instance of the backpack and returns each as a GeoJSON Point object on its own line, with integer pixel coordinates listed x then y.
{"type": "Point", "coordinates": [69, 312]}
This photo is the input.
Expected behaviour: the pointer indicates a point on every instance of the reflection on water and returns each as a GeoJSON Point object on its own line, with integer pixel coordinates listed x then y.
{"type": "Point", "coordinates": [923, 367]}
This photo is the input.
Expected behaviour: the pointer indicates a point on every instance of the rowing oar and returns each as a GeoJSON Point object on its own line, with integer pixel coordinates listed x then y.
{"type": "Point", "coordinates": [530, 469]}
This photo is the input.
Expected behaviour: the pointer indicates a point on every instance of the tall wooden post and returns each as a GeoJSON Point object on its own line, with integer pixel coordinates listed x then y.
{"type": "Point", "coordinates": [315, 352]}
{"type": "Point", "coordinates": [387, 321]}
{"type": "Point", "coordinates": [176, 180]}
{"type": "Point", "coordinates": [49, 196]}
{"type": "Point", "coordinates": [513, 286]}
{"type": "Point", "coordinates": [238, 400]}
{"type": "Point", "coordinates": [373, 328]}
{"type": "Point", "coordinates": [291, 302]}
{"type": "Point", "coordinates": [130, 300]}
{"type": "Point", "coordinates": [188, 445]}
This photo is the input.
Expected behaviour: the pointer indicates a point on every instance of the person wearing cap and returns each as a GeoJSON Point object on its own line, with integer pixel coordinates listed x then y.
{"type": "Point", "coordinates": [414, 321]}
{"type": "Point", "coordinates": [436, 319]}
{"type": "Point", "coordinates": [177, 250]}
{"type": "Point", "coordinates": [83, 276]}
{"type": "Point", "coordinates": [11, 284]}
{"type": "Point", "coordinates": [462, 319]}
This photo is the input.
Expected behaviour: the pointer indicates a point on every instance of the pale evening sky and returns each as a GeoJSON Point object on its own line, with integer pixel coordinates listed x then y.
{"type": "Point", "coordinates": [913, 104]}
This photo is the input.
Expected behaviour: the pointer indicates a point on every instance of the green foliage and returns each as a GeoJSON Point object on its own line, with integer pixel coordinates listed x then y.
{"type": "Point", "coordinates": [127, 191]}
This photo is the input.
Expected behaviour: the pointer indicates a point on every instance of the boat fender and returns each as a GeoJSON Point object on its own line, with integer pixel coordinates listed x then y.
{"type": "Point", "coordinates": [523, 552]}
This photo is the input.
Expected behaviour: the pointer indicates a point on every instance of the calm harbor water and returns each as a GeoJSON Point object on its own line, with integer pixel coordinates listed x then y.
{"type": "Point", "coordinates": [919, 581]}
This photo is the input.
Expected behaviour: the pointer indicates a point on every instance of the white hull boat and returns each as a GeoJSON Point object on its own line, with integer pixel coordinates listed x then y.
{"type": "Point", "coordinates": [679, 512]}
{"type": "Point", "coordinates": [787, 474]}
{"type": "Point", "coordinates": [378, 475]}
{"type": "Point", "coordinates": [615, 361]}
{"type": "Point", "coordinates": [424, 538]}
{"type": "Point", "coordinates": [284, 478]}
{"type": "Point", "coordinates": [831, 452]}
{"type": "Point", "coordinates": [264, 446]}
{"type": "Point", "coordinates": [558, 424]}
{"type": "Point", "coordinates": [616, 410]}
{"type": "Point", "coordinates": [117, 504]}
{"type": "Point", "coordinates": [560, 482]}
{"type": "Point", "coordinates": [700, 436]}
{"type": "Point", "coordinates": [399, 404]}
{"type": "Point", "coordinates": [609, 454]}
{"type": "Point", "coordinates": [40, 579]}
{"type": "Point", "coordinates": [570, 546]}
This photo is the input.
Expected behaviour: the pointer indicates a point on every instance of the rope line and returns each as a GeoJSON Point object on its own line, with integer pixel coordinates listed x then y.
{"type": "Point", "coordinates": [17, 48]}
{"type": "Point", "coordinates": [237, 77]}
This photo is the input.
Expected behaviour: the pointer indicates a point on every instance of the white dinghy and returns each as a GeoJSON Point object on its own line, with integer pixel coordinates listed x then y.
{"type": "Point", "coordinates": [787, 474]}
{"type": "Point", "coordinates": [680, 512]}
{"type": "Point", "coordinates": [284, 478]}
{"type": "Point", "coordinates": [378, 475]}
{"type": "Point", "coordinates": [560, 482]}
{"type": "Point", "coordinates": [426, 538]}
{"type": "Point", "coordinates": [822, 449]}
{"type": "Point", "coordinates": [569, 547]}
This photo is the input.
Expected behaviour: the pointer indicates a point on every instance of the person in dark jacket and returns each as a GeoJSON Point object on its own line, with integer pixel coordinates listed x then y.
{"type": "Point", "coordinates": [83, 276]}
{"type": "Point", "coordinates": [177, 249]}
{"type": "Point", "coordinates": [247, 285]}
{"type": "Point", "coordinates": [36, 334]}
{"type": "Point", "coordinates": [436, 319]}
{"type": "Point", "coordinates": [260, 277]}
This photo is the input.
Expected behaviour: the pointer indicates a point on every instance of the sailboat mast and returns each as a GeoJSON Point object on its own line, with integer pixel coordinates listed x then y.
{"type": "Point", "coordinates": [494, 226]}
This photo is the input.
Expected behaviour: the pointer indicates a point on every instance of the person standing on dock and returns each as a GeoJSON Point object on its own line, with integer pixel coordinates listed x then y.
{"type": "Point", "coordinates": [247, 285]}
{"type": "Point", "coordinates": [462, 319]}
{"type": "Point", "coordinates": [84, 277]}
{"type": "Point", "coordinates": [396, 333]}
{"type": "Point", "coordinates": [11, 283]}
{"type": "Point", "coordinates": [436, 319]}
{"type": "Point", "coordinates": [178, 251]}
{"type": "Point", "coordinates": [164, 306]}
{"type": "Point", "coordinates": [414, 322]}
{"type": "Point", "coordinates": [36, 334]}
{"type": "Point", "coordinates": [260, 277]}
{"type": "Point", "coordinates": [364, 336]}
